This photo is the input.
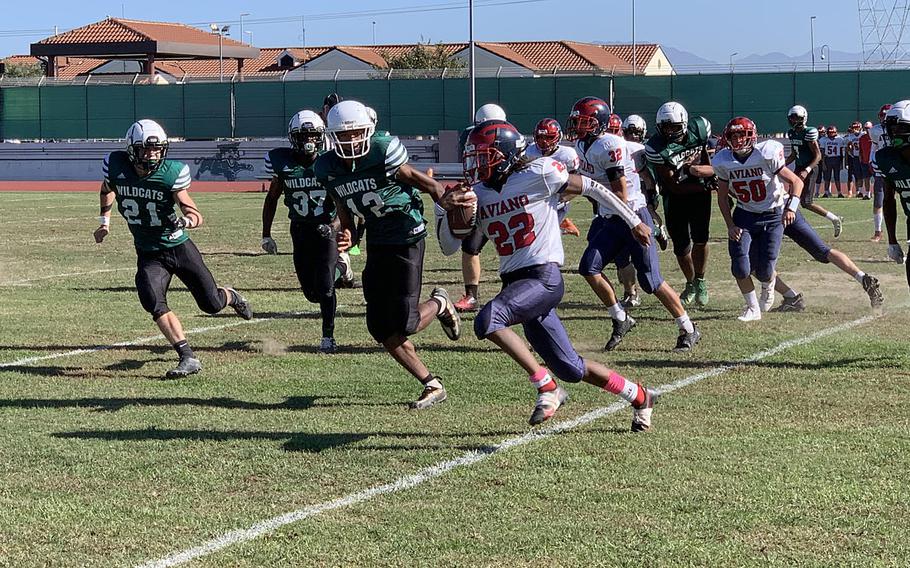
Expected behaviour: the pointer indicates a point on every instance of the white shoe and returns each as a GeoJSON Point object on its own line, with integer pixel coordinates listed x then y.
{"type": "Point", "coordinates": [838, 226]}
{"type": "Point", "coordinates": [766, 299]}
{"type": "Point", "coordinates": [547, 405]}
{"type": "Point", "coordinates": [750, 314]}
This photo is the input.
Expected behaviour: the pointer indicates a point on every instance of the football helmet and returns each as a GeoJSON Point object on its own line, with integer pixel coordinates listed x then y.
{"type": "Point", "coordinates": [740, 136]}
{"type": "Point", "coordinates": [855, 127]}
{"type": "Point", "coordinates": [590, 117]}
{"type": "Point", "coordinates": [634, 128]}
{"type": "Point", "coordinates": [832, 131]}
{"type": "Point", "coordinates": [798, 116]}
{"type": "Point", "coordinates": [672, 121]}
{"type": "Point", "coordinates": [489, 111]}
{"type": "Point", "coordinates": [614, 126]}
{"type": "Point", "coordinates": [897, 125]}
{"type": "Point", "coordinates": [373, 116]}
{"type": "Point", "coordinates": [547, 135]}
{"type": "Point", "coordinates": [306, 132]}
{"type": "Point", "coordinates": [146, 144]}
{"type": "Point", "coordinates": [350, 128]}
{"type": "Point", "coordinates": [493, 150]}
{"type": "Point", "coordinates": [882, 112]}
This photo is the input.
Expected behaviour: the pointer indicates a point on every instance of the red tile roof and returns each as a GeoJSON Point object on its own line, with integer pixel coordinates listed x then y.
{"type": "Point", "coordinates": [118, 30]}
{"type": "Point", "coordinates": [644, 52]}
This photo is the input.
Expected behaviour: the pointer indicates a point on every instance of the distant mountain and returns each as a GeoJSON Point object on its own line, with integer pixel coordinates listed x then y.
{"type": "Point", "coordinates": [681, 58]}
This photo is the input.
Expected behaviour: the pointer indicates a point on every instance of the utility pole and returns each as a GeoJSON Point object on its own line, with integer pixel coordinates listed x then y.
{"type": "Point", "coordinates": [812, 39]}
{"type": "Point", "coordinates": [473, 103]}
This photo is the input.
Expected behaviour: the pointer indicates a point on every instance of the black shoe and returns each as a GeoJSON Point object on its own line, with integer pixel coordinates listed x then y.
{"type": "Point", "coordinates": [870, 285]}
{"type": "Point", "coordinates": [686, 341]}
{"type": "Point", "coordinates": [187, 366]}
{"type": "Point", "coordinates": [620, 329]}
{"type": "Point", "coordinates": [240, 304]}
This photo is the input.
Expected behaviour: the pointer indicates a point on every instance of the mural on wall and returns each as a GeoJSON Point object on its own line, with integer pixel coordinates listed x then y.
{"type": "Point", "coordinates": [226, 163]}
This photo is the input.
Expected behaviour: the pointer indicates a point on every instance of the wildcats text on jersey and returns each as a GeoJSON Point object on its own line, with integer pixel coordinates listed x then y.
{"type": "Point", "coordinates": [145, 193]}
{"type": "Point", "coordinates": [503, 207]}
{"type": "Point", "coordinates": [301, 183]}
{"type": "Point", "coordinates": [356, 186]}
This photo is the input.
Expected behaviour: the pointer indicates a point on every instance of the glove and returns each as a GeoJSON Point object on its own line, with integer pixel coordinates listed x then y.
{"type": "Point", "coordinates": [325, 231]}
{"type": "Point", "coordinates": [183, 223]}
{"type": "Point", "coordinates": [269, 245]}
{"type": "Point", "coordinates": [896, 253]}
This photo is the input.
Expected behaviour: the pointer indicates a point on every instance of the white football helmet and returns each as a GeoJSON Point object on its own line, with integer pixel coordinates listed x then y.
{"type": "Point", "coordinates": [306, 132]}
{"type": "Point", "coordinates": [672, 121]}
{"type": "Point", "coordinates": [142, 140]}
{"type": "Point", "coordinates": [489, 111]}
{"type": "Point", "coordinates": [634, 128]}
{"type": "Point", "coordinates": [350, 127]}
{"type": "Point", "coordinates": [373, 116]}
{"type": "Point", "coordinates": [798, 116]}
{"type": "Point", "coordinates": [897, 125]}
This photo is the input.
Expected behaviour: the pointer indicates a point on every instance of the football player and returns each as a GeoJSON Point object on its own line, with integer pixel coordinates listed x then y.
{"type": "Point", "coordinates": [806, 156]}
{"type": "Point", "coordinates": [147, 186]}
{"type": "Point", "coordinates": [605, 158]}
{"type": "Point", "coordinates": [517, 209]}
{"type": "Point", "coordinates": [892, 164]}
{"type": "Point", "coordinates": [313, 220]}
{"type": "Point", "coordinates": [851, 155]}
{"type": "Point", "coordinates": [367, 175]}
{"type": "Point", "coordinates": [547, 135]}
{"type": "Point", "coordinates": [832, 146]}
{"type": "Point", "coordinates": [679, 154]}
{"type": "Point", "coordinates": [876, 135]}
{"type": "Point", "coordinates": [754, 174]}
{"type": "Point", "coordinates": [474, 242]}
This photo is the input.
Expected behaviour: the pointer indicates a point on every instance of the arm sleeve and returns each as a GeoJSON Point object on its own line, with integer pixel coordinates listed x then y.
{"type": "Point", "coordinates": [447, 241]}
{"type": "Point", "coordinates": [183, 178]}
{"type": "Point", "coordinates": [396, 155]}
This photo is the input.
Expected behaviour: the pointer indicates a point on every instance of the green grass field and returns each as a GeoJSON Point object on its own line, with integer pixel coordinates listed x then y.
{"type": "Point", "coordinates": [798, 458]}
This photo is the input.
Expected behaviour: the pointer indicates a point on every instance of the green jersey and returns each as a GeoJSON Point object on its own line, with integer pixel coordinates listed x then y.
{"type": "Point", "coordinates": [660, 151]}
{"type": "Point", "coordinates": [799, 144]}
{"type": "Point", "coordinates": [392, 210]}
{"type": "Point", "coordinates": [147, 203]}
{"type": "Point", "coordinates": [889, 164]}
{"type": "Point", "coordinates": [304, 197]}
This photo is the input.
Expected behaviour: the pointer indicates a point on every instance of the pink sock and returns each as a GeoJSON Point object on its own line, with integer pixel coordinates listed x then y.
{"type": "Point", "coordinates": [542, 380]}
{"type": "Point", "coordinates": [623, 388]}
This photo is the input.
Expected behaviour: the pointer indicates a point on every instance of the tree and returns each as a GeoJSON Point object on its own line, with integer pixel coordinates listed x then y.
{"type": "Point", "coordinates": [420, 57]}
{"type": "Point", "coordinates": [23, 70]}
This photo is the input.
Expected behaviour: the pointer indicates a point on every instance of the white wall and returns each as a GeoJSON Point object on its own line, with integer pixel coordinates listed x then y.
{"type": "Point", "coordinates": [331, 61]}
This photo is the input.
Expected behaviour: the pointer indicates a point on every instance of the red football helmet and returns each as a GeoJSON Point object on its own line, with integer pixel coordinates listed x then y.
{"type": "Point", "coordinates": [740, 135]}
{"type": "Point", "coordinates": [856, 127]}
{"type": "Point", "coordinates": [882, 112]}
{"type": "Point", "coordinates": [832, 131]}
{"type": "Point", "coordinates": [493, 149]}
{"type": "Point", "coordinates": [547, 135]}
{"type": "Point", "coordinates": [590, 117]}
{"type": "Point", "coordinates": [614, 126]}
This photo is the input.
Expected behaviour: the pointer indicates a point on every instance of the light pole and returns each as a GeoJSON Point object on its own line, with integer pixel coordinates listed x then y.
{"type": "Point", "coordinates": [732, 55]}
{"type": "Point", "coordinates": [471, 55]}
{"type": "Point", "coordinates": [374, 33]}
{"type": "Point", "coordinates": [812, 39]}
{"type": "Point", "coordinates": [241, 25]}
{"type": "Point", "coordinates": [220, 31]}
{"type": "Point", "coordinates": [250, 33]}
{"type": "Point", "coordinates": [824, 47]}
{"type": "Point", "coordinates": [634, 51]}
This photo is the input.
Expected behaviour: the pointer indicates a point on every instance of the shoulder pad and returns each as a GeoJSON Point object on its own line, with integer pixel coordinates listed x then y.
{"type": "Point", "coordinates": [700, 128]}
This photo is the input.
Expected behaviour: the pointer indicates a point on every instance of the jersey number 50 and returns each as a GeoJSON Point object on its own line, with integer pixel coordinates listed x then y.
{"type": "Point", "coordinates": [522, 224]}
{"type": "Point", "coordinates": [752, 190]}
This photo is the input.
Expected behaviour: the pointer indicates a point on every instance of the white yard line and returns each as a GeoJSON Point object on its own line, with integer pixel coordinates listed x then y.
{"type": "Point", "coordinates": [37, 278]}
{"type": "Point", "coordinates": [470, 458]}
{"type": "Point", "coordinates": [143, 340]}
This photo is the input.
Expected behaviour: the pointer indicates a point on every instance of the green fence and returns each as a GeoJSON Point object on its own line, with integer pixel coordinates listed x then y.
{"type": "Point", "coordinates": [425, 106]}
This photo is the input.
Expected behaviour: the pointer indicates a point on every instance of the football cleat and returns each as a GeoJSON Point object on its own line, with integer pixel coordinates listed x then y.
{"type": "Point", "coordinates": [766, 299]}
{"type": "Point", "coordinates": [620, 329]}
{"type": "Point", "coordinates": [688, 295]}
{"type": "Point", "coordinates": [794, 304]}
{"type": "Point", "coordinates": [701, 292]}
{"type": "Point", "coordinates": [686, 341]}
{"type": "Point", "coordinates": [466, 304]}
{"type": "Point", "coordinates": [750, 314]}
{"type": "Point", "coordinates": [328, 346]}
{"type": "Point", "coordinates": [567, 227]}
{"type": "Point", "coordinates": [240, 304]}
{"type": "Point", "coordinates": [343, 266]}
{"type": "Point", "coordinates": [448, 316]}
{"type": "Point", "coordinates": [632, 300]}
{"type": "Point", "coordinates": [660, 235]}
{"type": "Point", "coordinates": [838, 225]}
{"type": "Point", "coordinates": [641, 416]}
{"type": "Point", "coordinates": [547, 405]}
{"type": "Point", "coordinates": [186, 367]}
{"type": "Point", "coordinates": [870, 285]}
{"type": "Point", "coordinates": [428, 398]}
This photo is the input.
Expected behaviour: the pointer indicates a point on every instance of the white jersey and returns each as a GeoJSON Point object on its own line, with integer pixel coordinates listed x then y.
{"type": "Point", "coordinates": [877, 135]}
{"type": "Point", "coordinates": [565, 154]}
{"type": "Point", "coordinates": [832, 147]}
{"type": "Point", "coordinates": [852, 141]}
{"type": "Point", "coordinates": [754, 183]}
{"type": "Point", "coordinates": [520, 219]}
{"type": "Point", "coordinates": [607, 152]}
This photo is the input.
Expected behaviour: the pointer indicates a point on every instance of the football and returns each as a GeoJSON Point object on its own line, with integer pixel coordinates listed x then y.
{"type": "Point", "coordinates": [463, 219]}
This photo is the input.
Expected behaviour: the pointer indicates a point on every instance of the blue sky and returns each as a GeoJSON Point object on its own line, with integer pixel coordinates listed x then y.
{"type": "Point", "coordinates": [731, 26]}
